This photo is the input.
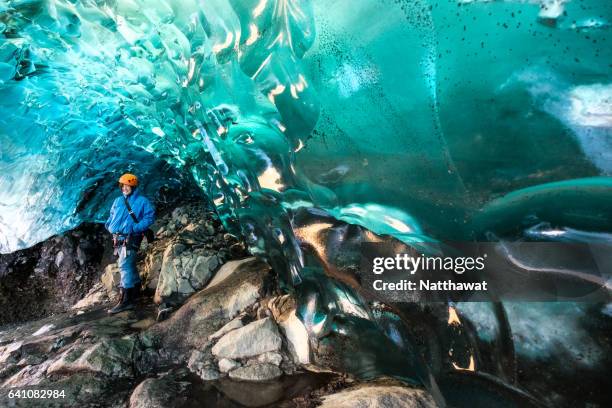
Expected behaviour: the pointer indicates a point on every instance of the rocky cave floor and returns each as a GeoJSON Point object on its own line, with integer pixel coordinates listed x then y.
{"type": "Point", "coordinates": [212, 328]}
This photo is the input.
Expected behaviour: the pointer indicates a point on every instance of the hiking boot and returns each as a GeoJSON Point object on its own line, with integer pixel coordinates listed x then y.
{"type": "Point", "coordinates": [125, 302]}
{"type": "Point", "coordinates": [134, 292]}
{"type": "Point", "coordinates": [122, 294]}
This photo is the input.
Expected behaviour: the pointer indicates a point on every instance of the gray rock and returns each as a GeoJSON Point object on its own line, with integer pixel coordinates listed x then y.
{"type": "Point", "coordinates": [184, 286]}
{"type": "Point", "coordinates": [111, 357]}
{"type": "Point", "coordinates": [11, 352]}
{"type": "Point", "coordinates": [228, 269]}
{"type": "Point", "coordinates": [297, 338]}
{"type": "Point", "coordinates": [232, 325]}
{"type": "Point", "coordinates": [379, 396]}
{"type": "Point", "coordinates": [225, 365]}
{"type": "Point", "coordinates": [198, 360]}
{"type": "Point", "coordinates": [177, 212]}
{"type": "Point", "coordinates": [59, 258]}
{"type": "Point", "coordinates": [83, 389]}
{"type": "Point", "coordinates": [253, 339]}
{"type": "Point", "coordinates": [111, 278]}
{"type": "Point", "coordinates": [256, 372]}
{"type": "Point", "coordinates": [167, 391]}
{"type": "Point", "coordinates": [202, 365]}
{"type": "Point", "coordinates": [189, 327]}
{"type": "Point", "coordinates": [80, 255]}
{"type": "Point", "coordinates": [209, 373]}
{"type": "Point", "coordinates": [152, 268]}
{"type": "Point", "coordinates": [183, 271]}
{"type": "Point", "coordinates": [271, 357]}
{"type": "Point", "coordinates": [95, 296]}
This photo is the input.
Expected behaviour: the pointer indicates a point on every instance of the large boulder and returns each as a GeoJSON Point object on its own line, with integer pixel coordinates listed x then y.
{"type": "Point", "coordinates": [379, 396]}
{"type": "Point", "coordinates": [166, 391]}
{"type": "Point", "coordinates": [192, 245]}
{"type": "Point", "coordinates": [210, 309]}
{"type": "Point", "coordinates": [110, 279]}
{"type": "Point", "coordinates": [152, 267]}
{"type": "Point", "coordinates": [183, 272]}
{"type": "Point", "coordinates": [251, 340]}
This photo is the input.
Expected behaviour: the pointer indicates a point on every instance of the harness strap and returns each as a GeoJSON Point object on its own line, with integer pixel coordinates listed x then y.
{"type": "Point", "coordinates": [127, 205]}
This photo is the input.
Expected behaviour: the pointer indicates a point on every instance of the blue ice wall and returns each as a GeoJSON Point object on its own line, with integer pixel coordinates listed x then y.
{"type": "Point", "coordinates": [411, 118]}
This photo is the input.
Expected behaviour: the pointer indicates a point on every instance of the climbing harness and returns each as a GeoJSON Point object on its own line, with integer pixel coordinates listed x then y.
{"type": "Point", "coordinates": [120, 244]}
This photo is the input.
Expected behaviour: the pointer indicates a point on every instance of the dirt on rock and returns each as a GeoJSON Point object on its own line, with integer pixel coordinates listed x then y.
{"type": "Point", "coordinates": [51, 276]}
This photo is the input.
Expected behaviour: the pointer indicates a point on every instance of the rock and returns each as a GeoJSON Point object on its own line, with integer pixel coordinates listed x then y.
{"type": "Point", "coordinates": [80, 390]}
{"type": "Point", "coordinates": [11, 352]}
{"type": "Point", "coordinates": [43, 329]}
{"type": "Point", "coordinates": [183, 272]}
{"type": "Point", "coordinates": [163, 312]}
{"type": "Point", "coordinates": [176, 213]}
{"type": "Point", "coordinates": [184, 287]}
{"type": "Point", "coordinates": [95, 296]}
{"type": "Point", "coordinates": [207, 311]}
{"type": "Point", "coordinates": [167, 283]}
{"type": "Point", "coordinates": [237, 249]}
{"type": "Point", "coordinates": [59, 258]}
{"type": "Point", "coordinates": [256, 372]}
{"type": "Point", "coordinates": [379, 396]}
{"type": "Point", "coordinates": [255, 338]}
{"type": "Point", "coordinates": [225, 365]}
{"type": "Point", "coordinates": [111, 279]}
{"type": "Point", "coordinates": [270, 357]}
{"type": "Point", "coordinates": [166, 391]}
{"type": "Point", "coordinates": [232, 325]}
{"type": "Point", "coordinates": [227, 270]}
{"type": "Point", "coordinates": [197, 360]}
{"type": "Point", "coordinates": [143, 324]}
{"type": "Point", "coordinates": [80, 255]}
{"type": "Point", "coordinates": [209, 373]}
{"type": "Point", "coordinates": [110, 357]}
{"type": "Point", "coordinates": [297, 338]}
{"type": "Point", "coordinates": [151, 269]}
{"type": "Point", "coordinates": [27, 376]}
{"type": "Point", "coordinates": [281, 307]}
{"type": "Point", "coordinates": [201, 364]}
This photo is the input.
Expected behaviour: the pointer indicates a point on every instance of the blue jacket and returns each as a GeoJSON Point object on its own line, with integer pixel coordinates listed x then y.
{"type": "Point", "coordinates": [120, 221]}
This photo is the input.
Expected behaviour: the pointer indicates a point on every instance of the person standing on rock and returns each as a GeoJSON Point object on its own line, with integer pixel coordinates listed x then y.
{"type": "Point", "coordinates": [131, 215]}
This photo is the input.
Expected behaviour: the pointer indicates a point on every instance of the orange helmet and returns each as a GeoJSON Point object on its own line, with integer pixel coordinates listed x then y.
{"type": "Point", "coordinates": [129, 179]}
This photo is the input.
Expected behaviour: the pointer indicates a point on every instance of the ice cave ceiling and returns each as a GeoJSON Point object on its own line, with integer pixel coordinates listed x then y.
{"type": "Point", "coordinates": [421, 119]}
